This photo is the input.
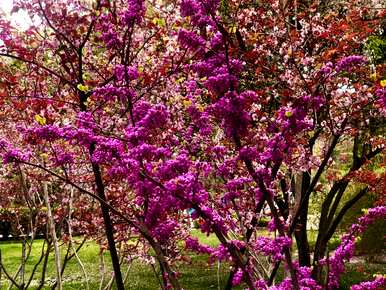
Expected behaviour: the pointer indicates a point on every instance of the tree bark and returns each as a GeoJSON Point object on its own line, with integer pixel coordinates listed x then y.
{"type": "Point", "coordinates": [109, 230]}
{"type": "Point", "coordinates": [54, 238]}
{"type": "Point", "coordinates": [301, 229]}
{"type": "Point", "coordinates": [107, 223]}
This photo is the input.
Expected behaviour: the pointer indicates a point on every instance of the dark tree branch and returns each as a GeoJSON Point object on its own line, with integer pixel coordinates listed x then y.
{"type": "Point", "coordinates": [343, 211]}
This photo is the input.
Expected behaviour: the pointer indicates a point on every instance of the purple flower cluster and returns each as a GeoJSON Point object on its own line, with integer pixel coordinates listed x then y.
{"type": "Point", "coordinates": [220, 83]}
{"type": "Point", "coordinates": [345, 64]}
{"type": "Point", "coordinates": [378, 283]}
{"type": "Point", "coordinates": [63, 158]}
{"type": "Point", "coordinates": [306, 282]}
{"type": "Point", "coordinates": [194, 245]}
{"type": "Point", "coordinates": [46, 132]}
{"type": "Point", "coordinates": [112, 93]}
{"type": "Point", "coordinates": [272, 247]}
{"type": "Point", "coordinates": [349, 62]}
{"type": "Point", "coordinates": [199, 11]}
{"type": "Point", "coordinates": [347, 247]}
{"type": "Point", "coordinates": [120, 72]}
{"type": "Point", "coordinates": [212, 220]}
{"type": "Point", "coordinates": [15, 155]}
{"type": "Point", "coordinates": [221, 253]}
{"type": "Point", "coordinates": [189, 7]}
{"type": "Point", "coordinates": [220, 77]}
{"type": "Point", "coordinates": [156, 117]}
{"type": "Point", "coordinates": [107, 149]}
{"type": "Point", "coordinates": [231, 109]}
{"type": "Point", "coordinates": [85, 120]}
{"type": "Point", "coordinates": [293, 120]}
{"type": "Point", "coordinates": [237, 277]}
{"type": "Point", "coordinates": [109, 36]}
{"type": "Point", "coordinates": [191, 40]}
{"type": "Point", "coordinates": [201, 121]}
{"type": "Point", "coordinates": [164, 230]}
{"type": "Point", "coordinates": [381, 94]}
{"type": "Point", "coordinates": [134, 13]}
{"type": "Point", "coordinates": [217, 41]}
{"type": "Point", "coordinates": [327, 69]}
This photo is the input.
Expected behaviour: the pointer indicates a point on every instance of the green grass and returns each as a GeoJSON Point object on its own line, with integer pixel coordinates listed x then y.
{"type": "Point", "coordinates": [196, 274]}
{"type": "Point", "coordinates": [11, 256]}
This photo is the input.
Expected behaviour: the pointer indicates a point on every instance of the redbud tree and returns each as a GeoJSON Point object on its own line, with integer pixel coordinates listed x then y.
{"type": "Point", "coordinates": [143, 115]}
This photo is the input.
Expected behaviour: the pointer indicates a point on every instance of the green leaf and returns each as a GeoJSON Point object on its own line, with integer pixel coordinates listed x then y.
{"type": "Point", "coordinates": [82, 88]}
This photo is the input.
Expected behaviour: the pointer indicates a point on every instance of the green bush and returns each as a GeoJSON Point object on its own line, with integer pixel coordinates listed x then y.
{"type": "Point", "coordinates": [373, 240]}
{"type": "Point", "coordinates": [376, 47]}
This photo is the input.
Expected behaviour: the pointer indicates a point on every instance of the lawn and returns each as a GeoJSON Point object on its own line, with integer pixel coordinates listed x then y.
{"type": "Point", "coordinates": [195, 275]}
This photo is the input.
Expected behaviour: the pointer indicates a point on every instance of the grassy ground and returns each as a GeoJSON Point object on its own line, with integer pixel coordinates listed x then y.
{"type": "Point", "coordinates": [196, 275]}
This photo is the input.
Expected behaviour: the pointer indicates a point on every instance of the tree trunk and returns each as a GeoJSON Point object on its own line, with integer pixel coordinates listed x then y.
{"type": "Point", "coordinates": [107, 223]}
{"type": "Point", "coordinates": [109, 231]}
{"type": "Point", "coordinates": [54, 238]}
{"type": "Point", "coordinates": [320, 249]}
{"type": "Point", "coordinates": [302, 239]}
{"type": "Point", "coordinates": [302, 186]}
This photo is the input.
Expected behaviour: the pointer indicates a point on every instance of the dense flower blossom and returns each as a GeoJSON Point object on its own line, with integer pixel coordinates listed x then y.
{"type": "Point", "coordinates": [110, 37]}
{"type": "Point", "coordinates": [305, 280]}
{"type": "Point", "coordinates": [190, 39]}
{"type": "Point", "coordinates": [64, 158]}
{"type": "Point", "coordinates": [272, 247]}
{"type": "Point", "coordinates": [46, 132]}
{"type": "Point", "coordinates": [377, 283]}
{"type": "Point", "coordinates": [347, 247]}
{"type": "Point", "coordinates": [220, 83]}
{"type": "Point", "coordinates": [231, 110]}
{"type": "Point", "coordinates": [156, 117]}
{"type": "Point", "coordinates": [113, 93]}
{"type": "Point", "coordinates": [15, 155]}
{"type": "Point", "coordinates": [134, 13]}
{"type": "Point", "coordinates": [189, 7]}
{"type": "Point", "coordinates": [381, 94]}
{"type": "Point", "coordinates": [122, 71]}
{"type": "Point", "coordinates": [347, 63]}
{"type": "Point", "coordinates": [199, 11]}
{"type": "Point", "coordinates": [217, 41]}
{"type": "Point", "coordinates": [221, 253]}
{"type": "Point", "coordinates": [212, 220]}
{"type": "Point", "coordinates": [237, 277]}
{"type": "Point", "coordinates": [209, 6]}
{"type": "Point", "coordinates": [327, 68]}
{"type": "Point", "coordinates": [85, 120]}
{"type": "Point", "coordinates": [163, 231]}
{"type": "Point", "coordinates": [194, 245]}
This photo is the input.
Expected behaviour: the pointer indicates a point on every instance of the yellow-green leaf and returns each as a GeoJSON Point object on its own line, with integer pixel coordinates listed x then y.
{"type": "Point", "coordinates": [187, 103]}
{"type": "Point", "coordinates": [44, 156]}
{"type": "Point", "coordinates": [233, 29]}
{"type": "Point", "coordinates": [41, 120]}
{"type": "Point", "coordinates": [82, 88]}
{"type": "Point", "coordinates": [159, 21]}
{"type": "Point", "coordinates": [180, 80]}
